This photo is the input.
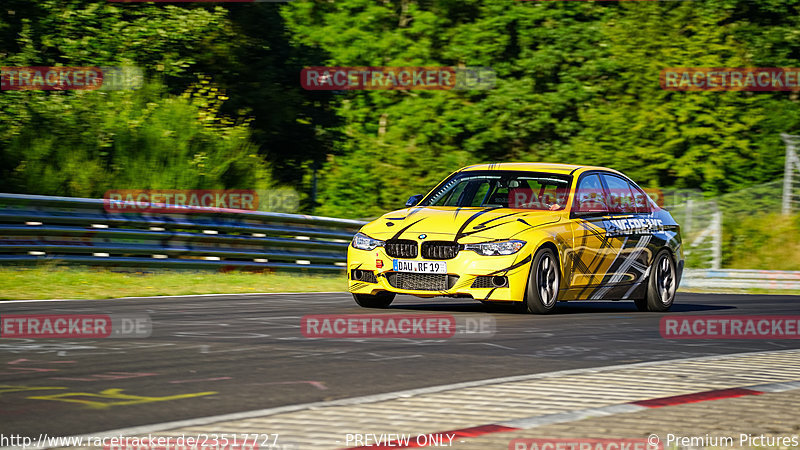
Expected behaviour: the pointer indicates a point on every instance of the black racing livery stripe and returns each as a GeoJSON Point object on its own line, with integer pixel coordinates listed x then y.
{"type": "Point", "coordinates": [466, 223]}
{"type": "Point", "coordinates": [469, 233]}
{"type": "Point", "coordinates": [483, 224]}
{"type": "Point", "coordinates": [402, 230]}
{"type": "Point", "coordinates": [513, 266]}
{"type": "Point", "coordinates": [562, 246]}
{"type": "Point", "coordinates": [357, 286]}
{"type": "Point", "coordinates": [463, 283]}
{"type": "Point", "coordinates": [414, 211]}
{"type": "Point", "coordinates": [605, 244]}
{"type": "Point", "coordinates": [611, 269]}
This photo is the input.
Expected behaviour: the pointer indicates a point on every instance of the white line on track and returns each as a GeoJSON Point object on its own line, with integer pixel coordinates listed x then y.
{"type": "Point", "coordinates": [166, 296]}
{"type": "Point", "coordinates": [145, 429]}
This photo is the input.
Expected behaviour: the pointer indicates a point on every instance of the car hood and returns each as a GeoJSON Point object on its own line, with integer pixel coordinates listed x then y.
{"type": "Point", "coordinates": [464, 225]}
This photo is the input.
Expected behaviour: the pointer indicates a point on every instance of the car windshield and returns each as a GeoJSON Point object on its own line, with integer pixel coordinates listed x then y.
{"type": "Point", "coordinates": [505, 189]}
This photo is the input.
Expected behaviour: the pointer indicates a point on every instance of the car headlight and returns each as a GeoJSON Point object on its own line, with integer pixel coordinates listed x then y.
{"type": "Point", "coordinates": [496, 248]}
{"type": "Point", "coordinates": [363, 242]}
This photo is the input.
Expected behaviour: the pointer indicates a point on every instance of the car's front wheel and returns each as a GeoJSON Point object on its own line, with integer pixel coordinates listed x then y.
{"type": "Point", "coordinates": [381, 300]}
{"type": "Point", "coordinates": [661, 285]}
{"type": "Point", "coordinates": [541, 294]}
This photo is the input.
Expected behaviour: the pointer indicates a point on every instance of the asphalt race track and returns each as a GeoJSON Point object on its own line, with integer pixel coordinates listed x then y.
{"type": "Point", "coordinates": [211, 355]}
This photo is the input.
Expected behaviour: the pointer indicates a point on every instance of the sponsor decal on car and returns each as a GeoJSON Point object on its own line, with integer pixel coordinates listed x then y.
{"type": "Point", "coordinates": [623, 227]}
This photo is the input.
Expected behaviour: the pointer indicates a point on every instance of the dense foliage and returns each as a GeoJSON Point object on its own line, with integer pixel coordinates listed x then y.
{"type": "Point", "coordinates": [577, 82]}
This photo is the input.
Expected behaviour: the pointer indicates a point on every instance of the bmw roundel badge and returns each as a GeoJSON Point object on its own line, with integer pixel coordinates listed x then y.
{"type": "Point", "coordinates": [423, 236]}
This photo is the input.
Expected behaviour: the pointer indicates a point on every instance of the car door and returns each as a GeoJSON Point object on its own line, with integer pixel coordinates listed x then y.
{"type": "Point", "coordinates": [627, 230]}
{"type": "Point", "coordinates": [592, 251]}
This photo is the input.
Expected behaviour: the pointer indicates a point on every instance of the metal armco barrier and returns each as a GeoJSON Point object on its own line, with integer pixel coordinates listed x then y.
{"type": "Point", "coordinates": [37, 228]}
{"type": "Point", "coordinates": [80, 231]}
{"type": "Point", "coordinates": [740, 279]}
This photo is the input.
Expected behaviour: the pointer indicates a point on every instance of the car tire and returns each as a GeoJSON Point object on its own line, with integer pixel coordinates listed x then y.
{"type": "Point", "coordinates": [541, 294]}
{"type": "Point", "coordinates": [661, 284]}
{"type": "Point", "coordinates": [381, 300]}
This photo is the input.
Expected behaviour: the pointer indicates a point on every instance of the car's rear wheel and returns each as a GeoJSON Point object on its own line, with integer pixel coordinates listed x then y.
{"type": "Point", "coordinates": [381, 300]}
{"type": "Point", "coordinates": [541, 294]}
{"type": "Point", "coordinates": [661, 285]}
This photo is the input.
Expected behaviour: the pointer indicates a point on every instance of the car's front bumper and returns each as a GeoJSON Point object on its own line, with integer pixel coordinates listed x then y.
{"type": "Point", "coordinates": [462, 273]}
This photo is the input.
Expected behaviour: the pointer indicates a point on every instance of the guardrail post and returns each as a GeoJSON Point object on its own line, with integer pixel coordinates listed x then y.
{"type": "Point", "coordinates": [689, 205]}
{"type": "Point", "coordinates": [791, 164]}
{"type": "Point", "coordinates": [716, 241]}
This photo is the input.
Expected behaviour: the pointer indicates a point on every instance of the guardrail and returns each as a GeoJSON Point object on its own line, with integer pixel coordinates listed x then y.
{"type": "Point", "coordinates": [740, 279]}
{"type": "Point", "coordinates": [37, 228]}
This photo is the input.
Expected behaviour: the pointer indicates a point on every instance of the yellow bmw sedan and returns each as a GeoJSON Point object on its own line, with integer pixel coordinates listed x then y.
{"type": "Point", "coordinates": [529, 234]}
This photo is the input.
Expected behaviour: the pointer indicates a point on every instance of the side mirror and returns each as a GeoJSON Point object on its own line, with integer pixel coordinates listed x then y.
{"type": "Point", "coordinates": [414, 199]}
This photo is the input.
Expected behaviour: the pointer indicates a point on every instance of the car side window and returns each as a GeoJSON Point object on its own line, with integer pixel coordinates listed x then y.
{"type": "Point", "coordinates": [641, 200]}
{"type": "Point", "coordinates": [480, 194]}
{"type": "Point", "coordinates": [499, 197]}
{"type": "Point", "coordinates": [621, 197]}
{"type": "Point", "coordinates": [451, 199]}
{"type": "Point", "coordinates": [590, 195]}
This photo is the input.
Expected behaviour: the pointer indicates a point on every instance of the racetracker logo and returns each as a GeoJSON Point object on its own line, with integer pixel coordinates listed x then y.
{"type": "Point", "coordinates": [730, 79]}
{"type": "Point", "coordinates": [214, 441]}
{"type": "Point", "coordinates": [419, 326]}
{"type": "Point", "coordinates": [626, 200]}
{"type": "Point", "coordinates": [180, 201]}
{"type": "Point", "coordinates": [397, 78]}
{"type": "Point", "coordinates": [730, 327]}
{"type": "Point", "coordinates": [586, 444]}
{"type": "Point", "coordinates": [64, 78]}
{"type": "Point", "coordinates": [72, 326]}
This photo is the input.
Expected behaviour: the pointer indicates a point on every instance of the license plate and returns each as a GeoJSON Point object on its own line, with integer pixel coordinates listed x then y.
{"type": "Point", "coordinates": [400, 265]}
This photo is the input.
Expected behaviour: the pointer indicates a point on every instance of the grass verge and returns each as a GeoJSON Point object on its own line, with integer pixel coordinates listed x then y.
{"type": "Point", "coordinates": [95, 283]}
{"type": "Point", "coordinates": [750, 291]}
